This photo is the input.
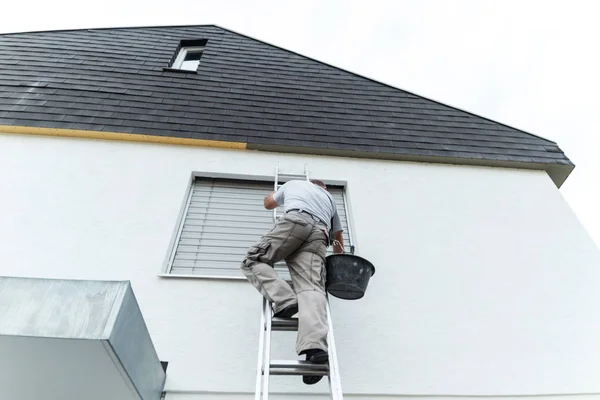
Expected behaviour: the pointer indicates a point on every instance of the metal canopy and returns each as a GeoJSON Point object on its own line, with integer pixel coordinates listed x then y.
{"type": "Point", "coordinates": [66, 339]}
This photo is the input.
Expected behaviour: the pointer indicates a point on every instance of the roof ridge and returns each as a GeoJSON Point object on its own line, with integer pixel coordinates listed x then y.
{"type": "Point", "coordinates": [113, 28]}
{"type": "Point", "coordinates": [386, 84]}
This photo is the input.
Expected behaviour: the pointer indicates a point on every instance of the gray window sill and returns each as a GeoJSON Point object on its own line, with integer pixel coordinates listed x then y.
{"type": "Point", "coordinates": [182, 276]}
{"type": "Point", "coordinates": [185, 71]}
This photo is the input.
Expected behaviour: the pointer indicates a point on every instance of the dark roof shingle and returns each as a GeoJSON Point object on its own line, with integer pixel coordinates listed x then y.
{"type": "Point", "coordinates": [268, 97]}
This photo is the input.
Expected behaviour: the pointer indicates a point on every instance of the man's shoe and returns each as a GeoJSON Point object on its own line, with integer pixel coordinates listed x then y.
{"type": "Point", "coordinates": [316, 356]}
{"type": "Point", "coordinates": [287, 312]}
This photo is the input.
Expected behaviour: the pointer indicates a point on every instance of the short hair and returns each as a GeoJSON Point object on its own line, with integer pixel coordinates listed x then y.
{"type": "Point", "coordinates": [319, 183]}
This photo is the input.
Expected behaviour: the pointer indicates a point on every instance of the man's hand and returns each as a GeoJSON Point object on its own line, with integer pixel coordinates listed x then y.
{"type": "Point", "coordinates": [270, 202]}
{"type": "Point", "coordinates": [338, 243]}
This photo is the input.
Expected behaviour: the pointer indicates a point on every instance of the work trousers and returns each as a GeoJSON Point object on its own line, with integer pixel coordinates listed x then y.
{"type": "Point", "coordinates": [300, 240]}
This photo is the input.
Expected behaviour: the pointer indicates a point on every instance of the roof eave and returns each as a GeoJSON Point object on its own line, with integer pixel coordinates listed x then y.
{"type": "Point", "coordinates": [558, 172]}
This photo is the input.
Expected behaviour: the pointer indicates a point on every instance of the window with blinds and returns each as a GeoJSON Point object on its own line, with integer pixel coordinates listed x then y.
{"type": "Point", "coordinates": [222, 219]}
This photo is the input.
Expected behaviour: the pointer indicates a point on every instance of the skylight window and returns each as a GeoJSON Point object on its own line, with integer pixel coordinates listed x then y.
{"type": "Point", "coordinates": [188, 58]}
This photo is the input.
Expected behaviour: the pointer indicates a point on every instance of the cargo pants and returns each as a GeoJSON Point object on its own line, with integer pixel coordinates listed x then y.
{"type": "Point", "coordinates": [300, 240]}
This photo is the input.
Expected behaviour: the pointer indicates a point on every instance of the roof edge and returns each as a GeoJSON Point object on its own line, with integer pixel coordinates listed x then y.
{"type": "Point", "coordinates": [126, 137]}
{"type": "Point", "coordinates": [557, 172]}
{"type": "Point", "coordinates": [384, 84]}
{"type": "Point", "coordinates": [113, 28]}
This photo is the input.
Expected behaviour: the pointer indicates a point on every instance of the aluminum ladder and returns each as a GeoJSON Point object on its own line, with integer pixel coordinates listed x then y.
{"type": "Point", "coordinates": [266, 366]}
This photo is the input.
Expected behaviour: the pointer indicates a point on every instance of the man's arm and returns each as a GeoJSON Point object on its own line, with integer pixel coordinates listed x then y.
{"type": "Point", "coordinates": [336, 227]}
{"type": "Point", "coordinates": [338, 243]}
{"type": "Point", "coordinates": [275, 199]}
{"type": "Point", "coordinates": [270, 202]}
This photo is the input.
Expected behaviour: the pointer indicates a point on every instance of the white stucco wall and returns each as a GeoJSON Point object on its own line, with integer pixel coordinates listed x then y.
{"type": "Point", "coordinates": [486, 283]}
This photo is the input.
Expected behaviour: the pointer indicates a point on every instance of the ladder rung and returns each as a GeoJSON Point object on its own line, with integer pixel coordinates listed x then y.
{"type": "Point", "coordinates": [294, 367]}
{"type": "Point", "coordinates": [284, 324]}
{"type": "Point", "coordinates": [286, 178]}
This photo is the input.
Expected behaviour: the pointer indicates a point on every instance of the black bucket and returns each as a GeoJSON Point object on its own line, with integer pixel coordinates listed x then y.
{"type": "Point", "coordinates": [348, 275]}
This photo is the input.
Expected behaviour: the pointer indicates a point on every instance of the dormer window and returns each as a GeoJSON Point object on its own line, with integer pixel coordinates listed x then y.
{"type": "Point", "coordinates": [188, 58]}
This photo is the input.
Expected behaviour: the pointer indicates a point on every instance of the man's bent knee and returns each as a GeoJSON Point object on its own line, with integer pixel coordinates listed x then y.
{"type": "Point", "coordinates": [256, 254]}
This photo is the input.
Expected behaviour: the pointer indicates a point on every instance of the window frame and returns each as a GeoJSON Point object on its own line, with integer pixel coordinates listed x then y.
{"type": "Point", "coordinates": [183, 51]}
{"type": "Point", "coordinates": [178, 229]}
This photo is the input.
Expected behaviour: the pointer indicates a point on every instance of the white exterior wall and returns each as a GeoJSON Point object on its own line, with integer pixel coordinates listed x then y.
{"type": "Point", "coordinates": [486, 283]}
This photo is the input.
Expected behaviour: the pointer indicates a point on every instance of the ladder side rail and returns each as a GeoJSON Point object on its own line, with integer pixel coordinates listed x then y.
{"type": "Point", "coordinates": [267, 362]}
{"type": "Point", "coordinates": [335, 383]}
{"type": "Point", "coordinates": [261, 352]}
{"type": "Point", "coordinates": [275, 187]}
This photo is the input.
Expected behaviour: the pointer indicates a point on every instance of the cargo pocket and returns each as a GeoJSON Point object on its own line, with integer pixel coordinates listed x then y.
{"type": "Point", "coordinates": [258, 252]}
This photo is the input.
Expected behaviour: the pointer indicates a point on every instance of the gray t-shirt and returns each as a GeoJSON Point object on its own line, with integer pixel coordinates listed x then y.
{"type": "Point", "coordinates": [307, 196]}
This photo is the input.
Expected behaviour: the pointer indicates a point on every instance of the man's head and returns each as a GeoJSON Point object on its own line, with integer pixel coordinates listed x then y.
{"type": "Point", "coordinates": [319, 183]}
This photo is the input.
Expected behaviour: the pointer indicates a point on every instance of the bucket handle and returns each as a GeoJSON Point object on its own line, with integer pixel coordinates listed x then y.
{"type": "Point", "coordinates": [344, 251]}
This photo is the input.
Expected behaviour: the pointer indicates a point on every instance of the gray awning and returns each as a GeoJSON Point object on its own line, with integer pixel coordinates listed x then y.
{"type": "Point", "coordinates": [67, 339]}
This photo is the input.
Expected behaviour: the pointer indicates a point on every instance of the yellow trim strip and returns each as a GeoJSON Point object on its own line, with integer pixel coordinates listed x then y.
{"type": "Point", "coordinates": [128, 137]}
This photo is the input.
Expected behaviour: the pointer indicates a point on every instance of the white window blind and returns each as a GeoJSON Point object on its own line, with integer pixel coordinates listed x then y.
{"type": "Point", "coordinates": [223, 219]}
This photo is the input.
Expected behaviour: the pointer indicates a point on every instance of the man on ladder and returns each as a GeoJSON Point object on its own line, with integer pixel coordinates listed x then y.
{"type": "Point", "coordinates": [300, 237]}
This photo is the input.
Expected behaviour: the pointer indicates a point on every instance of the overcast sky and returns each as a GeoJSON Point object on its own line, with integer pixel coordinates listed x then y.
{"type": "Point", "coordinates": [531, 64]}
